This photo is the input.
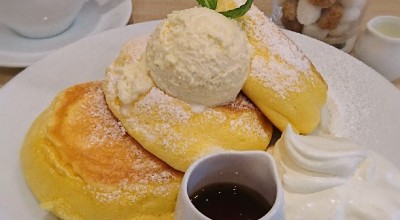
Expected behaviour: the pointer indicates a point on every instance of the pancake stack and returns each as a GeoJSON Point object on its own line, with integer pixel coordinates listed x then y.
{"type": "Point", "coordinates": [176, 133]}
{"type": "Point", "coordinates": [81, 164]}
{"type": "Point", "coordinates": [88, 156]}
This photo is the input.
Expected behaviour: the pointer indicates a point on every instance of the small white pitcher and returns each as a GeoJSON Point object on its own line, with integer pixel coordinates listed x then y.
{"type": "Point", "coordinates": [39, 18]}
{"type": "Point", "coordinates": [379, 46]}
{"type": "Point", "coordinates": [253, 169]}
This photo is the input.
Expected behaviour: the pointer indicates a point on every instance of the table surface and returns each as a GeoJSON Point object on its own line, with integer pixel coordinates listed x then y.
{"type": "Point", "coordinates": [146, 10]}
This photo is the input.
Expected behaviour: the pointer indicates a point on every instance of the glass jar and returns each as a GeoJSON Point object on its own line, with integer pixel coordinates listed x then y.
{"type": "Point", "coordinates": [336, 22]}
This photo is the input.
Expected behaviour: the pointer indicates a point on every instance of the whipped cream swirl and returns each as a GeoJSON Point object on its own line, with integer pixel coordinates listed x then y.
{"type": "Point", "coordinates": [332, 178]}
{"type": "Point", "coordinates": [313, 163]}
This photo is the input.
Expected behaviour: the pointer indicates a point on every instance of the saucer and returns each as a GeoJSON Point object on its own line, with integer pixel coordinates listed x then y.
{"type": "Point", "coordinates": [96, 16]}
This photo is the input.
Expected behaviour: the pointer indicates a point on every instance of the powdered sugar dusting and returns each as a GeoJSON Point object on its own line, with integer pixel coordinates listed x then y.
{"type": "Point", "coordinates": [173, 143]}
{"type": "Point", "coordinates": [135, 48]}
{"type": "Point", "coordinates": [280, 79]}
{"type": "Point", "coordinates": [277, 62]}
{"type": "Point", "coordinates": [146, 177]}
{"type": "Point", "coordinates": [113, 80]}
{"type": "Point", "coordinates": [168, 113]}
{"type": "Point", "coordinates": [345, 117]}
{"type": "Point", "coordinates": [114, 166]}
{"type": "Point", "coordinates": [217, 116]}
{"type": "Point", "coordinates": [354, 108]}
{"type": "Point", "coordinates": [249, 126]}
{"type": "Point", "coordinates": [96, 108]}
{"type": "Point", "coordinates": [150, 133]}
{"type": "Point", "coordinates": [131, 192]}
{"type": "Point", "coordinates": [105, 196]}
{"type": "Point", "coordinates": [269, 38]}
{"type": "Point", "coordinates": [165, 106]}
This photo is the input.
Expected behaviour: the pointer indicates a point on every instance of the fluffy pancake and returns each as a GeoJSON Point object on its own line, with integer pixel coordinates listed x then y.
{"type": "Point", "coordinates": [80, 163]}
{"type": "Point", "coordinates": [282, 82]}
{"type": "Point", "coordinates": [173, 130]}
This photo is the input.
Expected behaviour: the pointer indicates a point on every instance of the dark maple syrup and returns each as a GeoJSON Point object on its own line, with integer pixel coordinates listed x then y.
{"type": "Point", "coordinates": [230, 201]}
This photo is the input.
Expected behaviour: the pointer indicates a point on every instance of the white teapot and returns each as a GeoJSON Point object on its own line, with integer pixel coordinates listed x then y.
{"type": "Point", "coordinates": [39, 18]}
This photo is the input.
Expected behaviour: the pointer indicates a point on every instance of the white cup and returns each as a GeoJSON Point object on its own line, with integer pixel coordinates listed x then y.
{"type": "Point", "coordinates": [39, 18]}
{"type": "Point", "coordinates": [253, 169]}
{"type": "Point", "coordinates": [379, 46]}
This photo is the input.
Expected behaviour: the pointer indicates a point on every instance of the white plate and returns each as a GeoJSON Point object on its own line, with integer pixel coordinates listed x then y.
{"type": "Point", "coordinates": [95, 16]}
{"type": "Point", "coordinates": [366, 106]}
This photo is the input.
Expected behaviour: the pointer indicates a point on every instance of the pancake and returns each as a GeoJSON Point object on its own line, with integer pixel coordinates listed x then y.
{"type": "Point", "coordinates": [282, 82]}
{"type": "Point", "coordinates": [177, 132]}
{"type": "Point", "coordinates": [81, 164]}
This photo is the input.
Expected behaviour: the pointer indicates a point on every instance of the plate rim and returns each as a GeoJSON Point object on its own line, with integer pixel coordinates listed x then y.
{"type": "Point", "coordinates": [29, 73]}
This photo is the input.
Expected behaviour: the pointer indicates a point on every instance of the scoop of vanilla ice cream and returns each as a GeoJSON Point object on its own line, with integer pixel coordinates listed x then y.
{"type": "Point", "coordinates": [199, 56]}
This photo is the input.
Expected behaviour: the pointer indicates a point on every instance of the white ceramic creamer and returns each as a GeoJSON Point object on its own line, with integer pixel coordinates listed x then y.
{"type": "Point", "coordinates": [254, 169]}
{"type": "Point", "coordinates": [379, 46]}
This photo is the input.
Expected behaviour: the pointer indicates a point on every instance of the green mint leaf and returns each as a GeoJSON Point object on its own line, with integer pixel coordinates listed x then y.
{"type": "Point", "coordinates": [238, 12]}
{"type": "Point", "coordinates": [211, 4]}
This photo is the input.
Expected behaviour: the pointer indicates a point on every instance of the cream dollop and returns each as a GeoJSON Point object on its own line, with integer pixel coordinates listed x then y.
{"type": "Point", "coordinates": [332, 178]}
{"type": "Point", "coordinates": [313, 163]}
{"type": "Point", "coordinates": [133, 82]}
